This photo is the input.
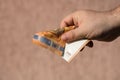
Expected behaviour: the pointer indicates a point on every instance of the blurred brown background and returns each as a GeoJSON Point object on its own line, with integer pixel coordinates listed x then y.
{"type": "Point", "coordinates": [20, 59]}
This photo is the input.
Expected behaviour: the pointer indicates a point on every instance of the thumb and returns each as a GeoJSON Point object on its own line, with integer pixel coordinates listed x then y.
{"type": "Point", "coordinates": [73, 35]}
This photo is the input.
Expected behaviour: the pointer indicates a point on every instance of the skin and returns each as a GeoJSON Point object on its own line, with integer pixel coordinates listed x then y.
{"type": "Point", "coordinates": [95, 25]}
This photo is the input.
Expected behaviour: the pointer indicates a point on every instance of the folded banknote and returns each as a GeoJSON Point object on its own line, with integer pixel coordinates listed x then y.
{"type": "Point", "coordinates": [51, 40]}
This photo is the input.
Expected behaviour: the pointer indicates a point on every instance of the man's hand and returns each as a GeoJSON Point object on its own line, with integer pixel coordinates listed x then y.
{"type": "Point", "coordinates": [91, 25]}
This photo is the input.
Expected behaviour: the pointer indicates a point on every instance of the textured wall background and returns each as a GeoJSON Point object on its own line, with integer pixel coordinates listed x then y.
{"type": "Point", "coordinates": [20, 59]}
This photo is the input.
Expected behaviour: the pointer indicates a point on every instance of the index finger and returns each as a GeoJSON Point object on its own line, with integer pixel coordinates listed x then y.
{"type": "Point", "coordinates": [67, 21]}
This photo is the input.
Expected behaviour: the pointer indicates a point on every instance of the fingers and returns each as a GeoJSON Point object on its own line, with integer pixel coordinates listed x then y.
{"type": "Point", "coordinates": [68, 36]}
{"type": "Point", "coordinates": [68, 21]}
{"type": "Point", "coordinates": [73, 35]}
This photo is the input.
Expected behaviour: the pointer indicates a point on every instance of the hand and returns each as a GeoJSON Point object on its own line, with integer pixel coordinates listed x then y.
{"type": "Point", "coordinates": [90, 25]}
